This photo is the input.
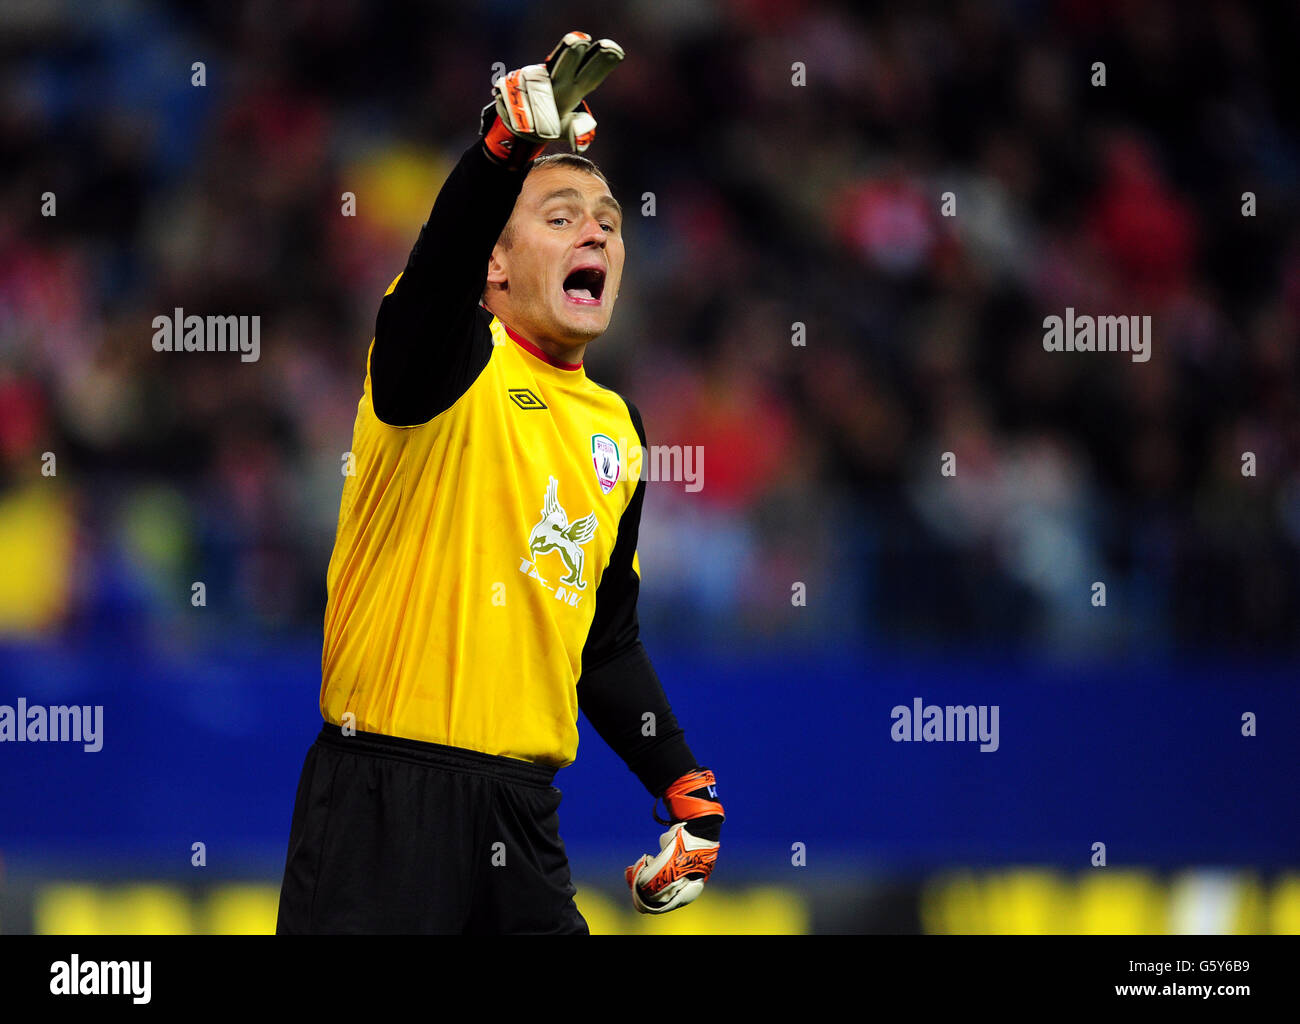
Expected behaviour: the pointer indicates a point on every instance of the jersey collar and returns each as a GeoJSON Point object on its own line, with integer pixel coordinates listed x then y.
{"type": "Point", "coordinates": [532, 349]}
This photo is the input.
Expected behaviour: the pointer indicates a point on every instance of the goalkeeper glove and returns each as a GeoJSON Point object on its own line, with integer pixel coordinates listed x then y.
{"type": "Point", "coordinates": [687, 851]}
{"type": "Point", "coordinates": [539, 103]}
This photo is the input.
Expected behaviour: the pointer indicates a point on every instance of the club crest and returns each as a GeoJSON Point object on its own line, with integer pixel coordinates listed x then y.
{"type": "Point", "coordinates": [604, 456]}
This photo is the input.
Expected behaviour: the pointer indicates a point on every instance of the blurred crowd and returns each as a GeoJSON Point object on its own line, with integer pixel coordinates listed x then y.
{"type": "Point", "coordinates": [798, 305]}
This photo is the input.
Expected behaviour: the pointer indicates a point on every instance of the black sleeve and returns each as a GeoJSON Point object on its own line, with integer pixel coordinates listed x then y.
{"type": "Point", "coordinates": [619, 685]}
{"type": "Point", "coordinates": [430, 341]}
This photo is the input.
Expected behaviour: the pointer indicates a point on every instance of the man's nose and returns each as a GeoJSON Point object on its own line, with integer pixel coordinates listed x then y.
{"type": "Point", "coordinates": [592, 233]}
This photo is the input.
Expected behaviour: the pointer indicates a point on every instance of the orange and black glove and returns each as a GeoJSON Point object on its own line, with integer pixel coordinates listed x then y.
{"type": "Point", "coordinates": [687, 851]}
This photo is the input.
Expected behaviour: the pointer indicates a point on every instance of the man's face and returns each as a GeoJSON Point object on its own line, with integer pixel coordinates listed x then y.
{"type": "Point", "coordinates": [562, 271]}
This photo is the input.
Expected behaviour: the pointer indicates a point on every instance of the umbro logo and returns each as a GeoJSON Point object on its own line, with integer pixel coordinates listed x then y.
{"type": "Point", "coordinates": [525, 399]}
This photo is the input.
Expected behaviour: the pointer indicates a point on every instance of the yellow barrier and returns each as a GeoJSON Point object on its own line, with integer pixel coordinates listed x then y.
{"type": "Point", "coordinates": [154, 909]}
{"type": "Point", "coordinates": [1027, 901]}
{"type": "Point", "coordinates": [1109, 901]}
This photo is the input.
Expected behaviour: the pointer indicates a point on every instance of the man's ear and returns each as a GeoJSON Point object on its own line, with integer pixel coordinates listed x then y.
{"type": "Point", "coordinates": [497, 267]}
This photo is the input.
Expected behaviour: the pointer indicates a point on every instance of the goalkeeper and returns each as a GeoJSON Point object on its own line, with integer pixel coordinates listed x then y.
{"type": "Point", "coordinates": [484, 579]}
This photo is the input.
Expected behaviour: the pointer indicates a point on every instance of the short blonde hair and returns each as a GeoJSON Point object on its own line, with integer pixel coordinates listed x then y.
{"type": "Point", "coordinates": [574, 160]}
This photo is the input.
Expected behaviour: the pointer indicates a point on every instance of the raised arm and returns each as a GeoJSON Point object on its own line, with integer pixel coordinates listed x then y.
{"type": "Point", "coordinates": [430, 344]}
{"type": "Point", "coordinates": [427, 350]}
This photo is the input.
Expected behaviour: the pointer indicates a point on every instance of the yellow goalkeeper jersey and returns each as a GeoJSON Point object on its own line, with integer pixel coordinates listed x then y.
{"type": "Point", "coordinates": [471, 549]}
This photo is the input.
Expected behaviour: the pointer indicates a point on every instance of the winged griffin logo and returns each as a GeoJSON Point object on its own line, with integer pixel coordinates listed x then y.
{"type": "Point", "coordinates": [556, 533]}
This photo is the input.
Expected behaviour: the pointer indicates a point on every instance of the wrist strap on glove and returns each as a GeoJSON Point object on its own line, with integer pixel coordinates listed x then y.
{"type": "Point", "coordinates": [694, 795]}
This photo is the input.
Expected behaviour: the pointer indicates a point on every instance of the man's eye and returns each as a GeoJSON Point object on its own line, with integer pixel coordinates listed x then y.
{"type": "Point", "coordinates": [608, 227]}
{"type": "Point", "coordinates": [558, 220]}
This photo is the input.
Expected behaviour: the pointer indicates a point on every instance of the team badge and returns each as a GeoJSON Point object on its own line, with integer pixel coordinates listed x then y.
{"type": "Point", "coordinates": [604, 456]}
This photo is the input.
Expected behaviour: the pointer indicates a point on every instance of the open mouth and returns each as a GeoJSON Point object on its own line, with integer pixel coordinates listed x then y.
{"type": "Point", "coordinates": [585, 286]}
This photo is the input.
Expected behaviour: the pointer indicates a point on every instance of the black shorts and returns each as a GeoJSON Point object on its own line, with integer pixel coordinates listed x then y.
{"type": "Point", "coordinates": [392, 835]}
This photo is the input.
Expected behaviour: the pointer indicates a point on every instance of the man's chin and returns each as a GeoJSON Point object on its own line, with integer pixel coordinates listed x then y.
{"type": "Point", "coordinates": [584, 327]}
